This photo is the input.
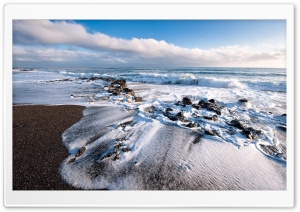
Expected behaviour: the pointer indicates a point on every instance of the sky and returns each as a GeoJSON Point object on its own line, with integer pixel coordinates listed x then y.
{"type": "Point", "coordinates": [149, 43]}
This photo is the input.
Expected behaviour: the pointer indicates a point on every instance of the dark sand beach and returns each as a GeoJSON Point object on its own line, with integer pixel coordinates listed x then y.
{"type": "Point", "coordinates": [37, 145]}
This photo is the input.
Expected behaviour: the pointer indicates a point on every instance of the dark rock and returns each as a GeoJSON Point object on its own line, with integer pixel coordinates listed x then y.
{"type": "Point", "coordinates": [248, 134]}
{"type": "Point", "coordinates": [117, 157]}
{"type": "Point", "coordinates": [71, 160]}
{"type": "Point", "coordinates": [191, 125]}
{"type": "Point", "coordinates": [129, 91]}
{"type": "Point", "coordinates": [281, 127]}
{"type": "Point", "coordinates": [242, 100]}
{"type": "Point", "coordinates": [212, 101]}
{"type": "Point", "coordinates": [80, 152]}
{"type": "Point", "coordinates": [210, 106]}
{"type": "Point", "coordinates": [237, 124]}
{"type": "Point", "coordinates": [269, 149]}
{"type": "Point", "coordinates": [186, 101]}
{"type": "Point", "coordinates": [209, 132]}
{"type": "Point", "coordinates": [94, 78]}
{"type": "Point", "coordinates": [283, 114]}
{"type": "Point", "coordinates": [213, 118]}
{"type": "Point", "coordinates": [138, 99]}
{"type": "Point", "coordinates": [116, 92]}
{"type": "Point", "coordinates": [120, 82]}
{"type": "Point", "coordinates": [180, 114]}
{"type": "Point", "coordinates": [125, 149]}
{"type": "Point", "coordinates": [178, 103]}
{"type": "Point", "coordinates": [168, 110]}
{"type": "Point", "coordinates": [173, 118]}
{"type": "Point", "coordinates": [196, 106]}
{"type": "Point", "coordinates": [202, 103]}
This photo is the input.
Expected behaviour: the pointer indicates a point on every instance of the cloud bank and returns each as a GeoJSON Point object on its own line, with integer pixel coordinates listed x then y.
{"type": "Point", "coordinates": [57, 42]}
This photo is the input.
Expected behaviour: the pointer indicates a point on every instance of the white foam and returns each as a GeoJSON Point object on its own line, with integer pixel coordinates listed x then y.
{"type": "Point", "coordinates": [163, 157]}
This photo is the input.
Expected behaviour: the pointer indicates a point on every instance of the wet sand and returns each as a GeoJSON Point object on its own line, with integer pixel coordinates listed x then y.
{"type": "Point", "coordinates": [37, 145]}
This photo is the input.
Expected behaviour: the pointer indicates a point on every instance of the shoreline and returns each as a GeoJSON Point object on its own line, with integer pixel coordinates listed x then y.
{"type": "Point", "coordinates": [38, 150]}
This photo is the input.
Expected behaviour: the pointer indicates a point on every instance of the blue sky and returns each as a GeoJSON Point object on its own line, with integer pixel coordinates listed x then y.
{"type": "Point", "coordinates": [111, 43]}
{"type": "Point", "coordinates": [190, 34]}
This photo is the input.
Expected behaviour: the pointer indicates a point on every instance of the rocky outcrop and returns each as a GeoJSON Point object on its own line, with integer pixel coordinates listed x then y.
{"type": "Point", "coordinates": [210, 105]}
{"type": "Point", "coordinates": [186, 101]}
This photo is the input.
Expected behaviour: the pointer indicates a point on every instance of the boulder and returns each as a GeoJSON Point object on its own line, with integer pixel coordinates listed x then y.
{"type": "Point", "coordinates": [186, 101]}
{"type": "Point", "coordinates": [210, 106]}
{"type": "Point", "coordinates": [236, 123]}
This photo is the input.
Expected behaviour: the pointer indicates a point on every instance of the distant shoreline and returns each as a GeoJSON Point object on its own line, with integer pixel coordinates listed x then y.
{"type": "Point", "coordinates": [38, 150]}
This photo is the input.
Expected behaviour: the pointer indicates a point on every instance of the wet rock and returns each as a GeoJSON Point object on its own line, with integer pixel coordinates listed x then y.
{"type": "Point", "coordinates": [120, 82]}
{"type": "Point", "coordinates": [281, 127]}
{"type": "Point", "coordinates": [210, 132]}
{"type": "Point", "coordinates": [243, 100]}
{"type": "Point", "coordinates": [236, 123]}
{"type": "Point", "coordinates": [180, 114]}
{"type": "Point", "coordinates": [138, 99]}
{"type": "Point", "coordinates": [212, 101]}
{"type": "Point", "coordinates": [178, 103]}
{"type": "Point", "coordinates": [248, 134]}
{"type": "Point", "coordinates": [173, 118]}
{"type": "Point", "coordinates": [186, 101]}
{"type": "Point", "coordinates": [210, 106]}
{"type": "Point", "coordinates": [116, 92]}
{"type": "Point", "coordinates": [116, 157]}
{"type": "Point", "coordinates": [283, 114]}
{"type": "Point", "coordinates": [125, 149]}
{"type": "Point", "coordinates": [213, 118]}
{"type": "Point", "coordinates": [269, 149]}
{"type": "Point", "coordinates": [94, 78]}
{"type": "Point", "coordinates": [191, 125]}
{"type": "Point", "coordinates": [196, 106]}
{"type": "Point", "coordinates": [168, 110]}
{"type": "Point", "coordinates": [80, 152]}
{"type": "Point", "coordinates": [71, 160]}
{"type": "Point", "coordinates": [129, 91]}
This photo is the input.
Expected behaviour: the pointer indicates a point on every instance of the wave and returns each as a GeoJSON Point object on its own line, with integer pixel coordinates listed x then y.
{"type": "Point", "coordinates": [241, 81]}
{"type": "Point", "coordinates": [190, 79]}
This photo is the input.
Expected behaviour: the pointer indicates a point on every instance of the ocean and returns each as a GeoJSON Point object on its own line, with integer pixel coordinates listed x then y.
{"type": "Point", "coordinates": [238, 115]}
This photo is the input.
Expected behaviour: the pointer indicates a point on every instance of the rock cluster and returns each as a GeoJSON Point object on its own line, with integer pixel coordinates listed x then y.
{"type": "Point", "coordinates": [118, 87]}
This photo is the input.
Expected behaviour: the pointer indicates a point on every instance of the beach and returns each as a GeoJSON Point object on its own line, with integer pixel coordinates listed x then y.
{"type": "Point", "coordinates": [38, 150]}
{"type": "Point", "coordinates": [145, 129]}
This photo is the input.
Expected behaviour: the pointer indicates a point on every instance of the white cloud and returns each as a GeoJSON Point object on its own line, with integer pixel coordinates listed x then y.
{"type": "Point", "coordinates": [137, 51]}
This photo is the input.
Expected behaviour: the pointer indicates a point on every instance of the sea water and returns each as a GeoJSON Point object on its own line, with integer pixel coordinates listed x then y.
{"type": "Point", "coordinates": [161, 88]}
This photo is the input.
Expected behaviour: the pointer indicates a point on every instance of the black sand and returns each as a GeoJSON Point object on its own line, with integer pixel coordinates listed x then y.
{"type": "Point", "coordinates": [37, 145]}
